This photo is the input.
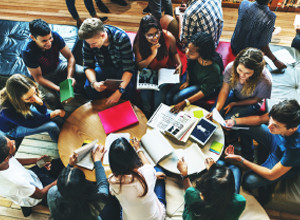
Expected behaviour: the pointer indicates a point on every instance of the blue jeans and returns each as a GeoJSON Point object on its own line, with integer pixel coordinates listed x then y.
{"type": "Point", "coordinates": [268, 142]}
{"type": "Point", "coordinates": [238, 111]}
{"type": "Point", "coordinates": [50, 127]}
{"type": "Point", "coordinates": [160, 187]}
{"type": "Point", "coordinates": [103, 73]}
{"type": "Point", "coordinates": [72, 9]}
{"type": "Point", "coordinates": [156, 6]}
{"type": "Point", "coordinates": [236, 173]}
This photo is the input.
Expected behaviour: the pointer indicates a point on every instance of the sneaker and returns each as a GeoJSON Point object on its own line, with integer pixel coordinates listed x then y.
{"type": "Point", "coordinates": [120, 2]}
{"type": "Point", "coordinates": [102, 7]}
{"type": "Point", "coordinates": [26, 211]}
{"type": "Point", "coordinates": [103, 19]}
{"type": "Point", "coordinates": [146, 10]}
{"type": "Point", "coordinates": [276, 31]}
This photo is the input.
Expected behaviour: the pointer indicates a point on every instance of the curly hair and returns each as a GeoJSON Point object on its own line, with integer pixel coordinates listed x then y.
{"type": "Point", "coordinates": [253, 59]}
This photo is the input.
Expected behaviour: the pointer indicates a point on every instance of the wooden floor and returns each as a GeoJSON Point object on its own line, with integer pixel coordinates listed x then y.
{"type": "Point", "coordinates": [55, 11]}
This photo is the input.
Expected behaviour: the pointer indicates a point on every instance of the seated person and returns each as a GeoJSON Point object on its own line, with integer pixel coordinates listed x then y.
{"type": "Point", "coordinates": [23, 112]}
{"type": "Point", "coordinates": [203, 76]}
{"type": "Point", "coordinates": [76, 198]}
{"type": "Point", "coordinates": [254, 28]}
{"type": "Point", "coordinates": [199, 16]}
{"type": "Point", "coordinates": [296, 40]}
{"type": "Point", "coordinates": [213, 196]}
{"type": "Point", "coordinates": [27, 188]}
{"type": "Point", "coordinates": [280, 138]}
{"type": "Point", "coordinates": [134, 182]}
{"type": "Point", "coordinates": [107, 54]}
{"type": "Point", "coordinates": [154, 48]}
{"type": "Point", "coordinates": [246, 83]}
{"type": "Point", "coordinates": [41, 56]}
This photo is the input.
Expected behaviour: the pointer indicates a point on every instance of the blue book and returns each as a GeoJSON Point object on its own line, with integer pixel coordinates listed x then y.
{"type": "Point", "coordinates": [203, 131]}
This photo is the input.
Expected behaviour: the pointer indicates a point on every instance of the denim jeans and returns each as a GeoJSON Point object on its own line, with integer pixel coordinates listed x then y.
{"type": "Point", "coordinates": [267, 142]}
{"type": "Point", "coordinates": [72, 9]}
{"type": "Point", "coordinates": [160, 187]}
{"type": "Point", "coordinates": [103, 73]}
{"type": "Point", "coordinates": [50, 127]}
{"type": "Point", "coordinates": [236, 173]}
{"type": "Point", "coordinates": [237, 111]}
{"type": "Point", "coordinates": [156, 6]}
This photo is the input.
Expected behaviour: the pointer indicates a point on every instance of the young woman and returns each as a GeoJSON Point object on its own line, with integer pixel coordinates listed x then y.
{"type": "Point", "coordinates": [154, 48]}
{"type": "Point", "coordinates": [204, 74]}
{"type": "Point", "coordinates": [23, 112]}
{"type": "Point", "coordinates": [134, 183]}
{"type": "Point", "coordinates": [76, 198]}
{"type": "Point", "coordinates": [246, 83]}
{"type": "Point", "coordinates": [213, 196]}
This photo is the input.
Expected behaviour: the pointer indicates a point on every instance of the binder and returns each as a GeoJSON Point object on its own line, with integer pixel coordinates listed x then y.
{"type": "Point", "coordinates": [66, 91]}
{"type": "Point", "coordinates": [118, 117]}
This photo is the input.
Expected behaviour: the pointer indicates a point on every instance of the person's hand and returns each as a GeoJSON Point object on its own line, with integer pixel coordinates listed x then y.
{"type": "Point", "coordinates": [154, 49]}
{"type": "Point", "coordinates": [73, 81]}
{"type": "Point", "coordinates": [209, 116]}
{"type": "Point", "coordinates": [229, 107]}
{"type": "Point", "coordinates": [160, 175]}
{"type": "Point", "coordinates": [280, 65]}
{"type": "Point", "coordinates": [182, 167]}
{"type": "Point", "coordinates": [47, 165]}
{"type": "Point", "coordinates": [57, 112]}
{"type": "Point", "coordinates": [178, 69]}
{"type": "Point", "coordinates": [99, 86]}
{"type": "Point", "coordinates": [98, 153]}
{"type": "Point", "coordinates": [136, 143]}
{"type": "Point", "coordinates": [73, 159]}
{"type": "Point", "coordinates": [183, 7]}
{"type": "Point", "coordinates": [208, 162]}
{"type": "Point", "coordinates": [229, 123]}
{"type": "Point", "coordinates": [178, 107]}
{"type": "Point", "coordinates": [37, 100]}
{"type": "Point", "coordinates": [229, 152]}
{"type": "Point", "coordinates": [184, 85]}
{"type": "Point", "coordinates": [114, 98]}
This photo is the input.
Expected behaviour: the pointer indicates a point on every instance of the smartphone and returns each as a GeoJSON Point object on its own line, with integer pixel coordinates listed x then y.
{"type": "Point", "coordinates": [42, 162]}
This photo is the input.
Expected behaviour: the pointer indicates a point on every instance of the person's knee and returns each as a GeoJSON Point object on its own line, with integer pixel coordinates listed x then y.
{"type": "Point", "coordinates": [249, 181]}
{"type": "Point", "coordinates": [52, 126]}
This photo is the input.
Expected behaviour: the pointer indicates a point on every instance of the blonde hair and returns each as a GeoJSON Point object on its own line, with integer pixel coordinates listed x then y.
{"type": "Point", "coordinates": [90, 28]}
{"type": "Point", "coordinates": [253, 59]}
{"type": "Point", "coordinates": [15, 88]}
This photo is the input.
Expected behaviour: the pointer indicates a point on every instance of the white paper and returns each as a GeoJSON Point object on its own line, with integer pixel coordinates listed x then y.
{"type": "Point", "coordinates": [84, 158]}
{"type": "Point", "coordinates": [167, 76]}
{"type": "Point", "coordinates": [297, 21]}
{"type": "Point", "coordinates": [109, 140]}
{"type": "Point", "coordinates": [218, 118]}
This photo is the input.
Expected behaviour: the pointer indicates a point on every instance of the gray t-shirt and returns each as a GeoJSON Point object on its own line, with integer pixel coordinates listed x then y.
{"type": "Point", "coordinates": [262, 89]}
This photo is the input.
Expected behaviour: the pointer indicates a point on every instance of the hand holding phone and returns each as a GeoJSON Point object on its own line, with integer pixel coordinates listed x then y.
{"type": "Point", "coordinates": [43, 161]}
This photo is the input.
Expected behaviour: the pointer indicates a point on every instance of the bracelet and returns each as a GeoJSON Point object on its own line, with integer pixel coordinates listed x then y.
{"type": "Point", "coordinates": [139, 150]}
{"type": "Point", "coordinates": [187, 102]}
{"type": "Point", "coordinates": [242, 160]}
{"type": "Point", "coordinates": [234, 121]}
{"type": "Point", "coordinates": [92, 83]}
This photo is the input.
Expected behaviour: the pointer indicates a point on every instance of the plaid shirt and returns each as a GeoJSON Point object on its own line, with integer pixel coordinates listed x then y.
{"type": "Point", "coordinates": [205, 16]}
{"type": "Point", "coordinates": [119, 49]}
{"type": "Point", "coordinates": [254, 26]}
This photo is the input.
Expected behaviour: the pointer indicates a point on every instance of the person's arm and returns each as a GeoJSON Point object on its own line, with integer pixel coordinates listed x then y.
{"type": "Point", "coordinates": [223, 96]}
{"type": "Point", "coordinates": [66, 52]}
{"type": "Point", "coordinates": [41, 193]}
{"type": "Point", "coordinates": [241, 103]}
{"type": "Point", "coordinates": [37, 75]}
{"type": "Point", "coordinates": [183, 169]}
{"type": "Point", "coordinates": [253, 120]}
{"type": "Point", "coordinates": [27, 161]}
{"type": "Point", "coordinates": [179, 106]}
{"type": "Point", "coordinates": [270, 174]}
{"type": "Point", "coordinates": [138, 57]}
{"type": "Point", "coordinates": [280, 65]}
{"type": "Point", "coordinates": [173, 51]}
{"type": "Point", "coordinates": [137, 146]}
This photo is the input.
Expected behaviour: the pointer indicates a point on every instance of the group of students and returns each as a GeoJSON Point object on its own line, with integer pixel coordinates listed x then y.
{"type": "Point", "coordinates": [138, 186]}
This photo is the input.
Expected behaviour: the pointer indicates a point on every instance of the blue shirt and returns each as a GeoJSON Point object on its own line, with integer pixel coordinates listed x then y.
{"type": "Point", "coordinates": [254, 26]}
{"type": "Point", "coordinates": [119, 50]}
{"type": "Point", "coordinates": [48, 60]}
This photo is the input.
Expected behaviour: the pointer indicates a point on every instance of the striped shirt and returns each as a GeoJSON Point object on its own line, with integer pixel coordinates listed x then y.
{"type": "Point", "coordinates": [254, 26]}
{"type": "Point", "coordinates": [119, 50]}
{"type": "Point", "coordinates": [205, 16]}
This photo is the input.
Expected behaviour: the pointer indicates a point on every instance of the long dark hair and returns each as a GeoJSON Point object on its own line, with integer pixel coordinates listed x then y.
{"type": "Point", "coordinates": [217, 188]}
{"type": "Point", "coordinates": [205, 46]}
{"type": "Point", "coordinates": [78, 196]}
{"type": "Point", "coordinates": [124, 160]}
{"type": "Point", "coordinates": [148, 22]}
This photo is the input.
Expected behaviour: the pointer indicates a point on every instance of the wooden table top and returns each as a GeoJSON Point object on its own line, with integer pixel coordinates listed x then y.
{"type": "Point", "coordinates": [84, 124]}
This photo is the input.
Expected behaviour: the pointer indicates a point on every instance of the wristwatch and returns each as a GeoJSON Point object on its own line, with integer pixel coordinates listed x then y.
{"type": "Point", "coordinates": [122, 90]}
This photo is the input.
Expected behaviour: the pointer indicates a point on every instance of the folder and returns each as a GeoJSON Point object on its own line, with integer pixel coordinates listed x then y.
{"type": "Point", "coordinates": [66, 90]}
{"type": "Point", "coordinates": [118, 117]}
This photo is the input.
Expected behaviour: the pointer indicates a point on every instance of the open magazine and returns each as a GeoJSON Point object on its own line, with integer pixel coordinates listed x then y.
{"type": "Point", "coordinates": [152, 79]}
{"type": "Point", "coordinates": [84, 158]}
{"type": "Point", "coordinates": [179, 125]}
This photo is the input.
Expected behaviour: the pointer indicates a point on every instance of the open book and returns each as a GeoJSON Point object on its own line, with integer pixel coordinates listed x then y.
{"type": "Point", "coordinates": [178, 125]}
{"type": "Point", "coordinates": [217, 117]}
{"type": "Point", "coordinates": [84, 158]}
{"type": "Point", "coordinates": [152, 79]}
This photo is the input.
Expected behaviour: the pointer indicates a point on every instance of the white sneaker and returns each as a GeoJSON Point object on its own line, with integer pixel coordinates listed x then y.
{"type": "Point", "coordinates": [276, 31]}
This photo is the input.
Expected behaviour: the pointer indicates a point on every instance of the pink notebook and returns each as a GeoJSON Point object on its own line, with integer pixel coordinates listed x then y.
{"type": "Point", "coordinates": [117, 117]}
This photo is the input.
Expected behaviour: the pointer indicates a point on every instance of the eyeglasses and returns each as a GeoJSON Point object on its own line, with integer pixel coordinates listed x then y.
{"type": "Point", "coordinates": [151, 36]}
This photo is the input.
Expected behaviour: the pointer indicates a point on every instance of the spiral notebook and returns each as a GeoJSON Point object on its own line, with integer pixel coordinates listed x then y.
{"type": "Point", "coordinates": [118, 117]}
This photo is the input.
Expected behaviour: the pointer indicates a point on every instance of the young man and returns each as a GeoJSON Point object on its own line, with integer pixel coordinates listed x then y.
{"type": "Point", "coordinates": [107, 54]}
{"type": "Point", "coordinates": [254, 28]}
{"type": "Point", "coordinates": [26, 188]}
{"type": "Point", "coordinates": [281, 138]}
{"type": "Point", "coordinates": [41, 56]}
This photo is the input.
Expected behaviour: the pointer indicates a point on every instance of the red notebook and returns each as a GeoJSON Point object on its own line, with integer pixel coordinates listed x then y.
{"type": "Point", "coordinates": [117, 117]}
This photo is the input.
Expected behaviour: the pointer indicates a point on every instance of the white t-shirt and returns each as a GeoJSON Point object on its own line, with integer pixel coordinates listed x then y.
{"type": "Point", "coordinates": [134, 207]}
{"type": "Point", "coordinates": [18, 184]}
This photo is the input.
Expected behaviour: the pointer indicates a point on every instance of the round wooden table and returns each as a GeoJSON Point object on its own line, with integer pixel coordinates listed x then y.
{"type": "Point", "coordinates": [84, 124]}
